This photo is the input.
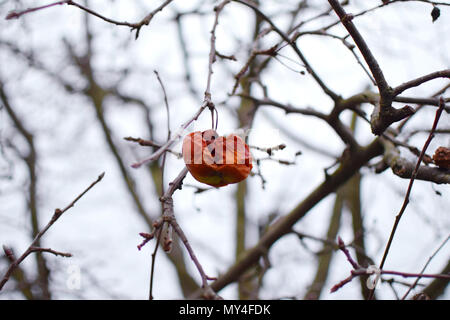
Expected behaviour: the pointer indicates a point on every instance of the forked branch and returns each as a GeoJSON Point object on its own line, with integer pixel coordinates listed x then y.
{"type": "Point", "coordinates": [32, 248]}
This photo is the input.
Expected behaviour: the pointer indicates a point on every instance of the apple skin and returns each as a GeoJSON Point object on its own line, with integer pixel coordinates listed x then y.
{"type": "Point", "coordinates": [216, 160]}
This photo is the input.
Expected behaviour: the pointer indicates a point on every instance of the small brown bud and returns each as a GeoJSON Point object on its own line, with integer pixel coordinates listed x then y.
{"type": "Point", "coordinates": [441, 157]}
{"type": "Point", "coordinates": [9, 253]}
{"type": "Point", "coordinates": [167, 245]}
{"type": "Point", "coordinates": [12, 15]}
{"type": "Point", "coordinates": [340, 242]}
{"type": "Point", "coordinates": [435, 13]}
{"type": "Point", "coordinates": [147, 236]}
{"type": "Point", "coordinates": [421, 296]}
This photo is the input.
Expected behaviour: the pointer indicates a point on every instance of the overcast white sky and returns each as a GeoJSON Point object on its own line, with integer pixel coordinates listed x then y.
{"type": "Point", "coordinates": [101, 231]}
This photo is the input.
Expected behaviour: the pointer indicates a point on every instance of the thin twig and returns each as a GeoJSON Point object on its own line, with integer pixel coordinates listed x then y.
{"type": "Point", "coordinates": [344, 249]}
{"type": "Point", "coordinates": [432, 101]}
{"type": "Point", "coordinates": [32, 247]}
{"type": "Point", "coordinates": [134, 26]}
{"type": "Point", "coordinates": [255, 52]}
{"type": "Point", "coordinates": [150, 143]}
{"type": "Point", "coordinates": [154, 156]}
{"type": "Point", "coordinates": [152, 270]}
{"type": "Point", "coordinates": [324, 87]}
{"type": "Point", "coordinates": [363, 271]}
{"type": "Point", "coordinates": [143, 142]}
{"type": "Point", "coordinates": [308, 111]}
{"type": "Point", "coordinates": [49, 250]}
{"type": "Point", "coordinates": [422, 101]}
{"type": "Point", "coordinates": [269, 150]}
{"type": "Point", "coordinates": [212, 51]}
{"type": "Point", "coordinates": [360, 271]}
{"type": "Point", "coordinates": [374, 67]}
{"type": "Point", "coordinates": [344, 41]}
{"type": "Point", "coordinates": [424, 267]}
{"type": "Point", "coordinates": [385, 3]}
{"type": "Point", "coordinates": [411, 182]}
{"type": "Point", "coordinates": [212, 59]}
{"type": "Point", "coordinates": [166, 103]}
{"type": "Point", "coordinates": [207, 102]}
{"type": "Point", "coordinates": [417, 82]}
{"type": "Point", "coordinates": [18, 14]}
{"type": "Point", "coordinates": [339, 127]}
{"type": "Point", "coordinates": [163, 164]}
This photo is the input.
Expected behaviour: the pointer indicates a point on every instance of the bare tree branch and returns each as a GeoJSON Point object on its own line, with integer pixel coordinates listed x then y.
{"type": "Point", "coordinates": [417, 82]}
{"type": "Point", "coordinates": [360, 271]}
{"type": "Point", "coordinates": [384, 115]}
{"type": "Point", "coordinates": [411, 182]}
{"type": "Point", "coordinates": [32, 248]}
{"type": "Point", "coordinates": [134, 26]}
